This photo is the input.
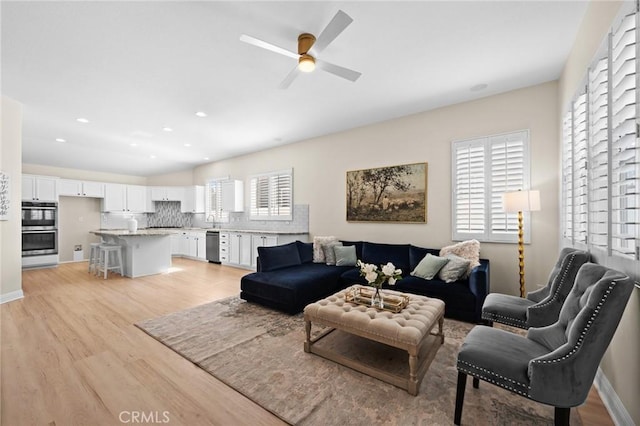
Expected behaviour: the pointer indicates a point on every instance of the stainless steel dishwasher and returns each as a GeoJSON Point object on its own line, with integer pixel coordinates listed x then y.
{"type": "Point", "coordinates": [213, 246]}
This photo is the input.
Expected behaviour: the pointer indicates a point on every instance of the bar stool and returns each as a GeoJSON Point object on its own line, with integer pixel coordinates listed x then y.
{"type": "Point", "coordinates": [94, 257]}
{"type": "Point", "coordinates": [105, 254]}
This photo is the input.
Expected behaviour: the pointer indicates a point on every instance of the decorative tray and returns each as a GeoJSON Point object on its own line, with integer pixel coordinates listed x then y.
{"type": "Point", "coordinates": [362, 296]}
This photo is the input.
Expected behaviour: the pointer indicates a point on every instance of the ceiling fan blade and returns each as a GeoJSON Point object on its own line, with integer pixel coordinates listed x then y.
{"type": "Point", "coordinates": [339, 22]}
{"type": "Point", "coordinates": [272, 47]}
{"type": "Point", "coordinates": [289, 78]}
{"type": "Point", "coordinates": [343, 72]}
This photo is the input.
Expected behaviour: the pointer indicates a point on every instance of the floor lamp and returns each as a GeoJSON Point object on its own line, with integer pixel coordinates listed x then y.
{"type": "Point", "coordinates": [521, 201]}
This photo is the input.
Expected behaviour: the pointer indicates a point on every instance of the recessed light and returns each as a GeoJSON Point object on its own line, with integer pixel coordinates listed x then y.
{"type": "Point", "coordinates": [152, 156]}
{"type": "Point", "coordinates": [167, 129]}
{"type": "Point", "coordinates": [201, 114]}
{"type": "Point", "coordinates": [133, 144]}
{"type": "Point", "coordinates": [206, 158]}
{"type": "Point", "coordinates": [187, 144]}
{"type": "Point", "coordinates": [479, 87]}
{"type": "Point", "coordinates": [82, 120]}
{"type": "Point", "coordinates": [60, 140]}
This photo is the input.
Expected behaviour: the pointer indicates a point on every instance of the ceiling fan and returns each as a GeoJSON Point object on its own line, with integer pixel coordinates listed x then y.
{"type": "Point", "coordinates": [309, 48]}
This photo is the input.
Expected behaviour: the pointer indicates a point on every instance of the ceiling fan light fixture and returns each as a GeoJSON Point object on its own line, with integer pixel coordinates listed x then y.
{"type": "Point", "coordinates": [306, 63]}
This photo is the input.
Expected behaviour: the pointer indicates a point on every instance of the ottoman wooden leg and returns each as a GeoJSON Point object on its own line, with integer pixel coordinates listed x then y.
{"type": "Point", "coordinates": [440, 325]}
{"type": "Point", "coordinates": [413, 379]}
{"type": "Point", "coordinates": [307, 343]}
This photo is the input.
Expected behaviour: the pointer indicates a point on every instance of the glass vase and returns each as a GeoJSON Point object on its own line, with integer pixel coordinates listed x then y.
{"type": "Point", "coordinates": [377, 301]}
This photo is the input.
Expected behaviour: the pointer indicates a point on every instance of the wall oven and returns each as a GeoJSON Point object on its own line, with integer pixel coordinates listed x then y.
{"type": "Point", "coordinates": [37, 243]}
{"type": "Point", "coordinates": [39, 229]}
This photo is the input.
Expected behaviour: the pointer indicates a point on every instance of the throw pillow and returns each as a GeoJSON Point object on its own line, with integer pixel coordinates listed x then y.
{"type": "Point", "coordinates": [318, 253]}
{"type": "Point", "coordinates": [345, 255]}
{"type": "Point", "coordinates": [429, 266]}
{"type": "Point", "coordinates": [278, 257]}
{"type": "Point", "coordinates": [469, 250]}
{"type": "Point", "coordinates": [329, 254]}
{"type": "Point", "coordinates": [455, 269]}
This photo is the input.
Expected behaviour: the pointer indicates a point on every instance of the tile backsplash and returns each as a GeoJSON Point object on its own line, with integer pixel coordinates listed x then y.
{"type": "Point", "coordinates": [168, 214]}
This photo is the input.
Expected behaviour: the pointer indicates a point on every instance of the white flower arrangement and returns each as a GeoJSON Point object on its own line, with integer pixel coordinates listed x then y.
{"type": "Point", "coordinates": [376, 277]}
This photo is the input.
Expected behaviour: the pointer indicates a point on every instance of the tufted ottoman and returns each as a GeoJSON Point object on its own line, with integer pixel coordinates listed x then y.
{"type": "Point", "coordinates": [409, 329]}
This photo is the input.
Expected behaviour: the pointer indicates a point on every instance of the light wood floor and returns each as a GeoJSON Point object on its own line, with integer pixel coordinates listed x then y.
{"type": "Point", "coordinates": [70, 354]}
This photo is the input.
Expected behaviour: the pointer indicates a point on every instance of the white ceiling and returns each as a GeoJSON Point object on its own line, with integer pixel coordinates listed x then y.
{"type": "Point", "coordinates": [132, 68]}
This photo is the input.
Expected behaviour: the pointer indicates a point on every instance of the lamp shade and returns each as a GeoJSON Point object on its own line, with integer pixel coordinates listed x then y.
{"type": "Point", "coordinates": [521, 201]}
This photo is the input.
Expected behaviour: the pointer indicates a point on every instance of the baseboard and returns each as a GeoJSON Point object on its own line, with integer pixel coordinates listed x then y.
{"type": "Point", "coordinates": [611, 401]}
{"type": "Point", "coordinates": [10, 297]}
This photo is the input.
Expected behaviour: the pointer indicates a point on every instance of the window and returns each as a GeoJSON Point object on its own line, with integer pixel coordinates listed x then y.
{"type": "Point", "coordinates": [483, 169]}
{"type": "Point", "coordinates": [601, 151]}
{"type": "Point", "coordinates": [272, 196]}
{"type": "Point", "coordinates": [213, 208]}
{"type": "Point", "coordinates": [579, 138]}
{"type": "Point", "coordinates": [599, 154]}
{"type": "Point", "coordinates": [625, 152]}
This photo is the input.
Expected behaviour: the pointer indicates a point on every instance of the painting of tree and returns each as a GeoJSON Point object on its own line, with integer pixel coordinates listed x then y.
{"type": "Point", "coordinates": [388, 194]}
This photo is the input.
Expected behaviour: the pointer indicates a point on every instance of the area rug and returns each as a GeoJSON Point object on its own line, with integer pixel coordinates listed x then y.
{"type": "Point", "coordinates": [259, 352]}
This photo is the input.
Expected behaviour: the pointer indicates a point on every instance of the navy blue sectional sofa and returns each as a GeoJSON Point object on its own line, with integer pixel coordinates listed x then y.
{"type": "Point", "coordinates": [288, 280]}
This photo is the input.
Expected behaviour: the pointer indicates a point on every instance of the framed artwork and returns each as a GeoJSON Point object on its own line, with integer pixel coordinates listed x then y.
{"type": "Point", "coordinates": [388, 194]}
{"type": "Point", "coordinates": [4, 196]}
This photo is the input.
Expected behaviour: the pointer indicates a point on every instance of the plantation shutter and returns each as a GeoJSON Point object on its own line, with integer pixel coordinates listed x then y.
{"type": "Point", "coordinates": [272, 196]}
{"type": "Point", "coordinates": [625, 155]}
{"type": "Point", "coordinates": [599, 154]}
{"type": "Point", "coordinates": [507, 174]}
{"type": "Point", "coordinates": [483, 169]}
{"type": "Point", "coordinates": [213, 201]}
{"type": "Point", "coordinates": [580, 169]}
{"type": "Point", "coordinates": [567, 176]}
{"type": "Point", "coordinates": [469, 185]}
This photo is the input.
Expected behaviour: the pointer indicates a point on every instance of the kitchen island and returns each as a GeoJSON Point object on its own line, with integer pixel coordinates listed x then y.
{"type": "Point", "coordinates": [144, 252]}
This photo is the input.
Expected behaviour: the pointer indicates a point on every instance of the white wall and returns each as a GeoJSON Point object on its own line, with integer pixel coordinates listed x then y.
{"type": "Point", "coordinates": [184, 178]}
{"type": "Point", "coordinates": [320, 167]}
{"type": "Point", "coordinates": [10, 230]}
{"type": "Point", "coordinates": [79, 174]}
{"type": "Point", "coordinates": [620, 364]}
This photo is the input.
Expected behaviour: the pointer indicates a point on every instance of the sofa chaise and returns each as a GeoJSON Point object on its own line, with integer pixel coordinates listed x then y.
{"type": "Point", "coordinates": [287, 278]}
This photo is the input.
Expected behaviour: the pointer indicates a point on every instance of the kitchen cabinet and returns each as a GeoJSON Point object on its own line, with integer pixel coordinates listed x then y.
{"type": "Point", "coordinates": [232, 196]}
{"type": "Point", "coordinates": [193, 201]}
{"type": "Point", "coordinates": [167, 193]}
{"type": "Point", "coordinates": [77, 188]}
{"type": "Point", "coordinates": [224, 247]}
{"type": "Point", "coordinates": [124, 198]}
{"type": "Point", "coordinates": [190, 244]}
{"type": "Point", "coordinates": [240, 248]}
{"type": "Point", "coordinates": [39, 188]}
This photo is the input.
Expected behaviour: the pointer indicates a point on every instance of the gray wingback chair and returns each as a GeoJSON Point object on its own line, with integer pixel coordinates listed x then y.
{"type": "Point", "coordinates": [556, 364]}
{"type": "Point", "coordinates": [540, 307]}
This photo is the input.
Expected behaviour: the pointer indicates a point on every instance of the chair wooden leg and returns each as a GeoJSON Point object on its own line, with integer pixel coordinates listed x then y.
{"type": "Point", "coordinates": [476, 383]}
{"type": "Point", "coordinates": [561, 417]}
{"type": "Point", "coordinates": [462, 382]}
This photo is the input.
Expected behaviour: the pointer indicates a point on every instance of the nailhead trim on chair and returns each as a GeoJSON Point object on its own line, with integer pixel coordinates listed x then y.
{"type": "Point", "coordinates": [493, 374]}
{"type": "Point", "coordinates": [562, 281]}
{"type": "Point", "coordinates": [582, 333]}
{"type": "Point", "coordinates": [490, 380]}
{"type": "Point", "coordinates": [504, 320]}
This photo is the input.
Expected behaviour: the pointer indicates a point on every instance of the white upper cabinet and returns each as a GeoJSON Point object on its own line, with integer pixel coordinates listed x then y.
{"type": "Point", "coordinates": [39, 188]}
{"type": "Point", "coordinates": [232, 199]}
{"type": "Point", "coordinates": [193, 201]}
{"type": "Point", "coordinates": [125, 198]}
{"type": "Point", "coordinates": [77, 188]}
{"type": "Point", "coordinates": [167, 193]}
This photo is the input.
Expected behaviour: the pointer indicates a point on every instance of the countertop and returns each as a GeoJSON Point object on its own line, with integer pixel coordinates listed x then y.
{"type": "Point", "coordinates": [138, 233]}
{"type": "Point", "coordinates": [170, 231]}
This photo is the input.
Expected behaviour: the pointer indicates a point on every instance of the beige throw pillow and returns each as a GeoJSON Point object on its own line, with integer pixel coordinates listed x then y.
{"type": "Point", "coordinates": [469, 250]}
{"type": "Point", "coordinates": [318, 251]}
